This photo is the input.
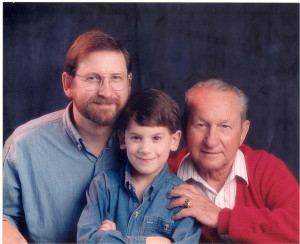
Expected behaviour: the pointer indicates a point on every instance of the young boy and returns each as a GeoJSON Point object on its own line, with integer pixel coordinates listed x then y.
{"type": "Point", "coordinates": [130, 205]}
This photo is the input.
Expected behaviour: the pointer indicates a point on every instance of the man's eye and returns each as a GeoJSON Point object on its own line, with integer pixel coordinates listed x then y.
{"type": "Point", "coordinates": [92, 78]}
{"type": "Point", "coordinates": [116, 77]}
{"type": "Point", "coordinates": [200, 125]}
{"type": "Point", "coordinates": [225, 126]}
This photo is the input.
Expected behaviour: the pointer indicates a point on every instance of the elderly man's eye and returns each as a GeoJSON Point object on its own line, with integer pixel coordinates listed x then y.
{"type": "Point", "coordinates": [225, 126]}
{"type": "Point", "coordinates": [200, 125]}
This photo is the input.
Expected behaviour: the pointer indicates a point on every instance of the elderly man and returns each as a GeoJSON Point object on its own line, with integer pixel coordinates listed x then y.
{"type": "Point", "coordinates": [239, 194]}
{"type": "Point", "coordinates": [50, 161]}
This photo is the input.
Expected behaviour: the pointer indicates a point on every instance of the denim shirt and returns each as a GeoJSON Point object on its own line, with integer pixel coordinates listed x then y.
{"type": "Point", "coordinates": [47, 170]}
{"type": "Point", "coordinates": [112, 196]}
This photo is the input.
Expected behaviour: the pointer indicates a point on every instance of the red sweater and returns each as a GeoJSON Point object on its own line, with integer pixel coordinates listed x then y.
{"type": "Point", "coordinates": [266, 210]}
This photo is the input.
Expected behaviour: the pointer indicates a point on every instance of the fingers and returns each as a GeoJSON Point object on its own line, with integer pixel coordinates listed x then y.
{"type": "Point", "coordinates": [108, 225]}
{"type": "Point", "coordinates": [186, 212]}
{"type": "Point", "coordinates": [183, 190]}
{"type": "Point", "coordinates": [179, 202]}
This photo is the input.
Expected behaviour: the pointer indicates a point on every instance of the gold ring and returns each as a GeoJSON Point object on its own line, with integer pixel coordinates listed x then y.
{"type": "Point", "coordinates": [187, 203]}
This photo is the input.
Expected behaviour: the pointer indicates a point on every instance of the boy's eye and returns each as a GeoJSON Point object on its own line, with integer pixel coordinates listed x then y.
{"type": "Point", "coordinates": [156, 138]}
{"type": "Point", "coordinates": [136, 138]}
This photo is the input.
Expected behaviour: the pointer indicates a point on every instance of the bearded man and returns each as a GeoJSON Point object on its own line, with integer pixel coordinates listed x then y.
{"type": "Point", "coordinates": [49, 162]}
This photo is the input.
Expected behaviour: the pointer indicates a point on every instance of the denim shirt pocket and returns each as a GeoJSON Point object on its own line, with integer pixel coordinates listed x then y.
{"type": "Point", "coordinates": [156, 225]}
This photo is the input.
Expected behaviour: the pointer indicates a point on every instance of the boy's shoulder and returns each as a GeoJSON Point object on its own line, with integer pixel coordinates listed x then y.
{"type": "Point", "coordinates": [111, 175]}
{"type": "Point", "coordinates": [174, 179]}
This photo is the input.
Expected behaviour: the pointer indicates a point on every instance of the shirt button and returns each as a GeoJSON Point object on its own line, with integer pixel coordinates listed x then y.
{"type": "Point", "coordinates": [129, 187]}
{"type": "Point", "coordinates": [136, 213]}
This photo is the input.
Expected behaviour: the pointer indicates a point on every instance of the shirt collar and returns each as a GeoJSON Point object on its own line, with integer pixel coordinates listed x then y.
{"type": "Point", "coordinates": [239, 168]}
{"type": "Point", "coordinates": [74, 134]}
{"type": "Point", "coordinates": [154, 186]}
{"type": "Point", "coordinates": [187, 169]}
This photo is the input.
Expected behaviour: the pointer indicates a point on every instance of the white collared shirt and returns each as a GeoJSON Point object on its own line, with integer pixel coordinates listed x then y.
{"type": "Point", "coordinates": [225, 198]}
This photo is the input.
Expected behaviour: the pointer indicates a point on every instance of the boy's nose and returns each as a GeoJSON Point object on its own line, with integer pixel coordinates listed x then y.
{"type": "Point", "coordinates": [145, 147]}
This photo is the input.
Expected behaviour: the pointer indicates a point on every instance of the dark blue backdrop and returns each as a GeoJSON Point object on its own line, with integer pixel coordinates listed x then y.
{"type": "Point", "coordinates": [173, 45]}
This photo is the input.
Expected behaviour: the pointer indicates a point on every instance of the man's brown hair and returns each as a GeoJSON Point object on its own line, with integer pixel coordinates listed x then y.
{"type": "Point", "coordinates": [91, 41]}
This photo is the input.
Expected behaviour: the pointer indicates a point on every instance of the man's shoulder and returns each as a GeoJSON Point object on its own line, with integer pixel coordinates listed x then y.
{"type": "Point", "coordinates": [45, 120]}
{"type": "Point", "coordinates": [255, 157]}
{"type": "Point", "coordinates": [262, 164]}
{"type": "Point", "coordinates": [34, 127]}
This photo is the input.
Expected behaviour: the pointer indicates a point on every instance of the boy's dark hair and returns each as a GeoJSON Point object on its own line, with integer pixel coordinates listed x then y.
{"type": "Point", "coordinates": [151, 107]}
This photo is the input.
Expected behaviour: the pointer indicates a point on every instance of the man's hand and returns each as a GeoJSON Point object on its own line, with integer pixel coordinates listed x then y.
{"type": "Point", "coordinates": [11, 235]}
{"type": "Point", "coordinates": [200, 206]}
{"type": "Point", "coordinates": [108, 225]}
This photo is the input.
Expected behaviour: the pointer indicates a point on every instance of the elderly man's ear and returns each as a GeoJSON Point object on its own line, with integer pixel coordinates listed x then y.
{"type": "Point", "coordinates": [245, 129]}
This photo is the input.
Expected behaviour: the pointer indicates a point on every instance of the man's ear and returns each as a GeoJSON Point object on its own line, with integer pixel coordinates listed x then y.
{"type": "Point", "coordinates": [67, 84]}
{"type": "Point", "coordinates": [175, 140]}
{"type": "Point", "coordinates": [121, 136]}
{"type": "Point", "coordinates": [130, 78]}
{"type": "Point", "coordinates": [245, 129]}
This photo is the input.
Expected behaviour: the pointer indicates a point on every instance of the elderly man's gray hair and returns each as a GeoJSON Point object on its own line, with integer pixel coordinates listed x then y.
{"type": "Point", "coordinates": [216, 84]}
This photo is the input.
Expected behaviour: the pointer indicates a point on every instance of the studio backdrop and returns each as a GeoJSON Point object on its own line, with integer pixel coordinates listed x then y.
{"type": "Point", "coordinates": [173, 45]}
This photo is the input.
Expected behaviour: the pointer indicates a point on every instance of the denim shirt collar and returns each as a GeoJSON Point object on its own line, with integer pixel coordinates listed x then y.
{"type": "Point", "coordinates": [153, 187]}
{"type": "Point", "coordinates": [74, 134]}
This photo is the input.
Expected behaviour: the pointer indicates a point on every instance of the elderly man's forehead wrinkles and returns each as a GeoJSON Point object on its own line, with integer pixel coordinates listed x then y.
{"type": "Point", "coordinates": [215, 103]}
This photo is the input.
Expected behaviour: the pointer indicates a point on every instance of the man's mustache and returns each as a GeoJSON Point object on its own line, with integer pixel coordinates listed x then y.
{"type": "Point", "coordinates": [103, 100]}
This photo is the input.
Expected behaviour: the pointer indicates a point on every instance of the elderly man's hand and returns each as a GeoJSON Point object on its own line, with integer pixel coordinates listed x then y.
{"type": "Point", "coordinates": [200, 207]}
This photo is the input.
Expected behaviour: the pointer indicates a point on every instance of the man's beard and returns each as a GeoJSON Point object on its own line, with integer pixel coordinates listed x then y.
{"type": "Point", "coordinates": [103, 117]}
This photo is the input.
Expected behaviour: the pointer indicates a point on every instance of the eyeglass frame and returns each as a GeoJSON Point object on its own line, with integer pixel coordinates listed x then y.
{"type": "Point", "coordinates": [129, 77]}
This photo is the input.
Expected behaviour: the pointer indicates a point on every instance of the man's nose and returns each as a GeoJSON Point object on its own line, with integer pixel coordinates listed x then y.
{"type": "Point", "coordinates": [104, 88]}
{"type": "Point", "coordinates": [211, 137]}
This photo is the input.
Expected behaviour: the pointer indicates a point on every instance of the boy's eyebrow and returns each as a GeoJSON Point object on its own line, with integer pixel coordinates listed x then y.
{"type": "Point", "coordinates": [131, 133]}
{"type": "Point", "coordinates": [159, 133]}
{"type": "Point", "coordinates": [154, 134]}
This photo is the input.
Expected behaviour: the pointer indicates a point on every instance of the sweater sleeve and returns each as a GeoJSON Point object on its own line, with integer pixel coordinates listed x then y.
{"type": "Point", "coordinates": [268, 209]}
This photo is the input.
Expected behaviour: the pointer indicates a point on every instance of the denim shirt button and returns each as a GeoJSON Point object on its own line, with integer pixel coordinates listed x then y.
{"type": "Point", "coordinates": [129, 187]}
{"type": "Point", "coordinates": [136, 213]}
{"type": "Point", "coordinates": [79, 147]}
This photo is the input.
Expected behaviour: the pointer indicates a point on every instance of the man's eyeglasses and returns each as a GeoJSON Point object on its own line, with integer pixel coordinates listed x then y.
{"type": "Point", "coordinates": [117, 81]}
